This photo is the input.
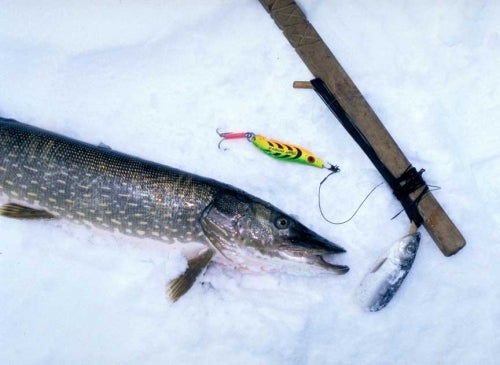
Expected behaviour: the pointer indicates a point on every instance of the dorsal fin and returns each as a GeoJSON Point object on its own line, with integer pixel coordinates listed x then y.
{"type": "Point", "coordinates": [104, 146]}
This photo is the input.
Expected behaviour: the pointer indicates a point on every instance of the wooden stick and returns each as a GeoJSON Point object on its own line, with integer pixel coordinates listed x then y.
{"type": "Point", "coordinates": [323, 64]}
{"type": "Point", "coordinates": [302, 85]}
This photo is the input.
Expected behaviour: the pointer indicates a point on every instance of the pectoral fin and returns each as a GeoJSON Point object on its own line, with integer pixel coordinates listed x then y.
{"type": "Point", "coordinates": [178, 287]}
{"type": "Point", "coordinates": [12, 210]}
{"type": "Point", "coordinates": [378, 264]}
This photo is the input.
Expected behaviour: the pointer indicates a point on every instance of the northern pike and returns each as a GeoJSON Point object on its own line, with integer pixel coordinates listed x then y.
{"type": "Point", "coordinates": [47, 175]}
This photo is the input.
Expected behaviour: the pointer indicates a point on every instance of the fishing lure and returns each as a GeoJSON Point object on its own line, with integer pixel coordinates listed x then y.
{"type": "Point", "coordinates": [280, 150]}
{"type": "Point", "coordinates": [292, 153]}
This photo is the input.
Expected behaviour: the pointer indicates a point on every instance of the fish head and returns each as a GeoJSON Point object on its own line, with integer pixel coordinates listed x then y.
{"type": "Point", "coordinates": [404, 252]}
{"type": "Point", "coordinates": [242, 227]}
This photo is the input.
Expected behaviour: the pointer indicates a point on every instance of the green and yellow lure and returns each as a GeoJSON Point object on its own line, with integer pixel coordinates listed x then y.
{"type": "Point", "coordinates": [280, 150]}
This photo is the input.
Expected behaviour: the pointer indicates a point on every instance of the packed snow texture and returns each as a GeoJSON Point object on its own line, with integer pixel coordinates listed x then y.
{"type": "Point", "coordinates": [156, 79]}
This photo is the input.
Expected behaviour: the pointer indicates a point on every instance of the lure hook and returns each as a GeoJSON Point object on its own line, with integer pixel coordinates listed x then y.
{"type": "Point", "coordinates": [233, 135]}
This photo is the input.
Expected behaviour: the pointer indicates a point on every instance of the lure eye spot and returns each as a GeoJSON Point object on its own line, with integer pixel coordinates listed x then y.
{"type": "Point", "coordinates": [311, 159]}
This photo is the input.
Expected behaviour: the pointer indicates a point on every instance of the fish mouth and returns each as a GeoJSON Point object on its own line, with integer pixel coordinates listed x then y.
{"type": "Point", "coordinates": [312, 257]}
{"type": "Point", "coordinates": [320, 261]}
{"type": "Point", "coordinates": [312, 248]}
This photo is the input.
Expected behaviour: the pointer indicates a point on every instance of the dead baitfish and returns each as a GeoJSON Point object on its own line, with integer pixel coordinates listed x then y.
{"type": "Point", "coordinates": [46, 175]}
{"type": "Point", "coordinates": [383, 281]}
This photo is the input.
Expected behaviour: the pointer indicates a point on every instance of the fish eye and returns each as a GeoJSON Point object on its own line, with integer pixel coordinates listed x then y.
{"type": "Point", "coordinates": [411, 249]}
{"type": "Point", "coordinates": [281, 223]}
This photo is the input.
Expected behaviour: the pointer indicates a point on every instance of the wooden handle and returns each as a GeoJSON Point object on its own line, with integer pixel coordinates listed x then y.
{"type": "Point", "coordinates": [322, 63]}
{"type": "Point", "coordinates": [302, 85]}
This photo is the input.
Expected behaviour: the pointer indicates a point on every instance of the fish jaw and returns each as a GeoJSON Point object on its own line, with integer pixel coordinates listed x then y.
{"type": "Point", "coordinates": [317, 260]}
{"type": "Point", "coordinates": [311, 248]}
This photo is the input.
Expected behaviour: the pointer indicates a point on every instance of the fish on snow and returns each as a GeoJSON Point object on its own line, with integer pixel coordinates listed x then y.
{"type": "Point", "coordinates": [47, 175]}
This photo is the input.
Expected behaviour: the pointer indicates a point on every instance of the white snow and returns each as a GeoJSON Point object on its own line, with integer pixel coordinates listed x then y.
{"type": "Point", "coordinates": [155, 79]}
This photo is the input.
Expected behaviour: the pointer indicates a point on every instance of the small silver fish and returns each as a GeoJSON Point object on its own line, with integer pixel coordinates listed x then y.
{"type": "Point", "coordinates": [384, 279]}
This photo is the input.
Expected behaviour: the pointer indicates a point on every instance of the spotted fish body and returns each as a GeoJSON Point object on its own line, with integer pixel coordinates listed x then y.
{"type": "Point", "coordinates": [44, 174]}
{"type": "Point", "coordinates": [100, 187]}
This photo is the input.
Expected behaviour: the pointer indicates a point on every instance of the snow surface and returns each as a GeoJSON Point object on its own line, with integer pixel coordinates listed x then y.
{"type": "Point", "coordinates": [155, 79]}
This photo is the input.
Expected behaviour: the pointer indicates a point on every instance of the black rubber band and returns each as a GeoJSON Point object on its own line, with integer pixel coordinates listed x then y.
{"type": "Point", "coordinates": [410, 181]}
{"type": "Point", "coordinates": [402, 186]}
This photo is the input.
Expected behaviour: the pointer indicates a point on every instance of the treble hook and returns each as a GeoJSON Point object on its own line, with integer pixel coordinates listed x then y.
{"type": "Point", "coordinates": [233, 135]}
